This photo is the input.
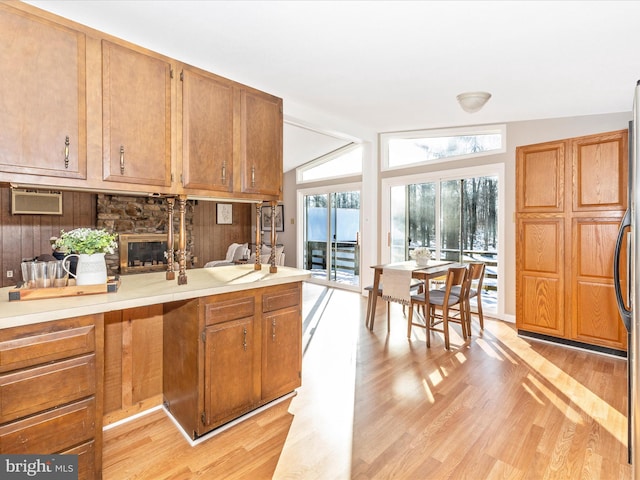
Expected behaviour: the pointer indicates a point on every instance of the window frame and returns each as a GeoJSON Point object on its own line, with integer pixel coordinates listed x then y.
{"type": "Point", "coordinates": [326, 159]}
{"type": "Point", "coordinates": [437, 133]}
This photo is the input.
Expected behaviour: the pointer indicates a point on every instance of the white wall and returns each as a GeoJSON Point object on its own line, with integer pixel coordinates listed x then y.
{"type": "Point", "coordinates": [518, 134]}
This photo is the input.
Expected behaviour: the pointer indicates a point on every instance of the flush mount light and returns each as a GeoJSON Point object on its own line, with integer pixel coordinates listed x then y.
{"type": "Point", "coordinates": [471, 102]}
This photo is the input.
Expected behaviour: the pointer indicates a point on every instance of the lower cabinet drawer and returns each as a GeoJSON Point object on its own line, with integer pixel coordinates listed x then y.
{"type": "Point", "coordinates": [50, 432]}
{"type": "Point", "coordinates": [33, 390]}
{"type": "Point", "coordinates": [282, 297]}
{"type": "Point", "coordinates": [36, 344]}
{"type": "Point", "coordinates": [224, 311]}
{"type": "Point", "coordinates": [86, 460]}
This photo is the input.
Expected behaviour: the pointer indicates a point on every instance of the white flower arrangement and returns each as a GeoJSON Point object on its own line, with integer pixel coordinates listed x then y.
{"type": "Point", "coordinates": [420, 254]}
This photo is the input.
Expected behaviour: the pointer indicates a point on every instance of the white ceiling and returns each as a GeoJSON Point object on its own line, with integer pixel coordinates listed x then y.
{"type": "Point", "coordinates": [394, 65]}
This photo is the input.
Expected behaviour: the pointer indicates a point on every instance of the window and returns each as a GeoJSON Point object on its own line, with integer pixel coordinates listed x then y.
{"type": "Point", "coordinates": [455, 213]}
{"type": "Point", "coordinates": [343, 162]}
{"type": "Point", "coordinates": [403, 149]}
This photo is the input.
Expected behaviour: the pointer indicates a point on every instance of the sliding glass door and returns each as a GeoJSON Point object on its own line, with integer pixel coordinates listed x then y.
{"type": "Point", "coordinates": [331, 246]}
{"type": "Point", "coordinates": [456, 218]}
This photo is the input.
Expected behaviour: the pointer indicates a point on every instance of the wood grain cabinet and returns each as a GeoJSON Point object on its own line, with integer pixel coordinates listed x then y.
{"type": "Point", "coordinates": [571, 195]}
{"type": "Point", "coordinates": [261, 143]}
{"type": "Point", "coordinates": [136, 106]}
{"type": "Point", "coordinates": [207, 108]}
{"type": "Point", "coordinates": [49, 390]}
{"type": "Point", "coordinates": [231, 137]}
{"type": "Point", "coordinates": [43, 116]}
{"type": "Point", "coordinates": [85, 110]}
{"type": "Point", "coordinates": [226, 355]}
{"type": "Point", "coordinates": [281, 342]}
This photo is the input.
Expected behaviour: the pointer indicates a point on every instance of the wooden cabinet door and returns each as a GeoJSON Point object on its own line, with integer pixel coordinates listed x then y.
{"type": "Point", "coordinates": [229, 372]}
{"type": "Point", "coordinates": [43, 101]}
{"type": "Point", "coordinates": [595, 317]}
{"type": "Point", "coordinates": [281, 352]}
{"type": "Point", "coordinates": [207, 131]}
{"type": "Point", "coordinates": [600, 172]}
{"type": "Point", "coordinates": [261, 143]}
{"type": "Point", "coordinates": [540, 178]}
{"type": "Point", "coordinates": [136, 102]}
{"type": "Point", "coordinates": [540, 281]}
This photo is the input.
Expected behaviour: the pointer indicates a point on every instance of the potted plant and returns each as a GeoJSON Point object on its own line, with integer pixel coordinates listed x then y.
{"type": "Point", "coordinates": [421, 255]}
{"type": "Point", "coordinates": [89, 246]}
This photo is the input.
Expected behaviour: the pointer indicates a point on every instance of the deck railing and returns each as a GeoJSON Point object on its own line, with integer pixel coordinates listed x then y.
{"type": "Point", "coordinates": [345, 256]}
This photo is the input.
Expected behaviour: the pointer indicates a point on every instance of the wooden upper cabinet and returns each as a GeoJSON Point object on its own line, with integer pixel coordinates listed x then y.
{"type": "Point", "coordinates": [600, 172]}
{"type": "Point", "coordinates": [540, 177]}
{"type": "Point", "coordinates": [207, 131]}
{"type": "Point", "coordinates": [261, 143]}
{"type": "Point", "coordinates": [136, 102]}
{"type": "Point", "coordinates": [43, 101]}
{"type": "Point", "coordinates": [81, 109]}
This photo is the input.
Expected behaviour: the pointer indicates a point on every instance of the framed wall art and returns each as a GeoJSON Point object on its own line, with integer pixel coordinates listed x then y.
{"type": "Point", "coordinates": [265, 221]}
{"type": "Point", "coordinates": [224, 214]}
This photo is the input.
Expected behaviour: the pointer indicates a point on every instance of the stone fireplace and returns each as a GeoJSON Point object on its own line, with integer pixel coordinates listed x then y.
{"type": "Point", "coordinates": [142, 219]}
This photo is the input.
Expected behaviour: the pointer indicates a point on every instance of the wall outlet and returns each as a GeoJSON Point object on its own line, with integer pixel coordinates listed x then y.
{"type": "Point", "coordinates": [9, 273]}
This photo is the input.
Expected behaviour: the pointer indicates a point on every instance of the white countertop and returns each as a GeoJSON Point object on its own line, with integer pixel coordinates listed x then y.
{"type": "Point", "coordinates": [145, 289]}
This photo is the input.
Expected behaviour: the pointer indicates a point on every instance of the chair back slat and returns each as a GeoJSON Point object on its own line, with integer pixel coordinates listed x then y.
{"type": "Point", "coordinates": [456, 277]}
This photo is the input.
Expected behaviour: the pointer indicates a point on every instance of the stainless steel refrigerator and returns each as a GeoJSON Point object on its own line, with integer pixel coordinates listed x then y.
{"type": "Point", "coordinates": [629, 297]}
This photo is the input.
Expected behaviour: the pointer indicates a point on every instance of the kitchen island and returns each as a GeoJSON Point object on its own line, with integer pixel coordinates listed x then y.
{"type": "Point", "coordinates": [224, 344]}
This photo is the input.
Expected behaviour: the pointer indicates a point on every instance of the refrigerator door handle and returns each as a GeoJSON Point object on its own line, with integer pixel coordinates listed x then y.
{"type": "Point", "coordinates": [624, 312]}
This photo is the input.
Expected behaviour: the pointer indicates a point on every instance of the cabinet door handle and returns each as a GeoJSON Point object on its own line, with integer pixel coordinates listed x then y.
{"type": "Point", "coordinates": [66, 152]}
{"type": "Point", "coordinates": [244, 340]}
{"type": "Point", "coordinates": [253, 176]}
{"type": "Point", "coordinates": [273, 330]}
{"type": "Point", "coordinates": [224, 172]}
{"type": "Point", "coordinates": [121, 159]}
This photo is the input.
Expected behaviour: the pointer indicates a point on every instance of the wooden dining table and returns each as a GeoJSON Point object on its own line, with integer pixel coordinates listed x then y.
{"type": "Point", "coordinates": [434, 269]}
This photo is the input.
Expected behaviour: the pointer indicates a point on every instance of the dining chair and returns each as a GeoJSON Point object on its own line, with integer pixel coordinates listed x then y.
{"type": "Point", "coordinates": [476, 276]}
{"type": "Point", "coordinates": [416, 286]}
{"type": "Point", "coordinates": [370, 295]}
{"type": "Point", "coordinates": [437, 312]}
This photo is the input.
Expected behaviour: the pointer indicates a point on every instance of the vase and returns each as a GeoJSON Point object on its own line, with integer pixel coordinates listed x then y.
{"type": "Point", "coordinates": [91, 268]}
{"type": "Point", "coordinates": [422, 261]}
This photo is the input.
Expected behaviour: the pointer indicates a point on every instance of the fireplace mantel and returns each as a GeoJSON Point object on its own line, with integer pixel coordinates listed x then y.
{"type": "Point", "coordinates": [142, 252]}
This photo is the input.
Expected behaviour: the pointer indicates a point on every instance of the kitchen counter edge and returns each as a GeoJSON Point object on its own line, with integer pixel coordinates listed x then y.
{"type": "Point", "coordinates": [145, 289]}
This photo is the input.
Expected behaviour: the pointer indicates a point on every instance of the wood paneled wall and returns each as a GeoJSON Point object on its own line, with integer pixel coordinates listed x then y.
{"type": "Point", "coordinates": [27, 236]}
{"type": "Point", "coordinates": [210, 241]}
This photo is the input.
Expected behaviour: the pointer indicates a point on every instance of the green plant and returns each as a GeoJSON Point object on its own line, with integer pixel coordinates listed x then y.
{"type": "Point", "coordinates": [86, 240]}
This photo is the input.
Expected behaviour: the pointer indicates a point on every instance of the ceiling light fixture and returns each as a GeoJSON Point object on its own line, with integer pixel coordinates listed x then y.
{"type": "Point", "coordinates": [471, 102]}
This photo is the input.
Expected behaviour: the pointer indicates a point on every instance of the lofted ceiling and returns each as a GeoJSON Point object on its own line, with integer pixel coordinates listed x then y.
{"type": "Point", "coordinates": [394, 65]}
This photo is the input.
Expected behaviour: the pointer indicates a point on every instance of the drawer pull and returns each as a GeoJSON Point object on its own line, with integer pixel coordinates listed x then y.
{"type": "Point", "coordinates": [224, 172]}
{"type": "Point", "coordinates": [253, 176]}
{"type": "Point", "coordinates": [273, 330]}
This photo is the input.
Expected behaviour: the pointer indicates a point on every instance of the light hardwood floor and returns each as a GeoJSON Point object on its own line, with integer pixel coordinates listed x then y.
{"type": "Point", "coordinates": [377, 406]}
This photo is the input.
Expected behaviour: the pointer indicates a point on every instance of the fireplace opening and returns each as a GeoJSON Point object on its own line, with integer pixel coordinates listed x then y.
{"type": "Point", "coordinates": [141, 253]}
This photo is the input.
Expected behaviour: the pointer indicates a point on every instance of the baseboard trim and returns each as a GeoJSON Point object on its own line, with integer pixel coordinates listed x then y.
{"type": "Point", "coordinates": [573, 344]}
{"type": "Point", "coordinates": [228, 425]}
{"type": "Point", "coordinates": [130, 418]}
